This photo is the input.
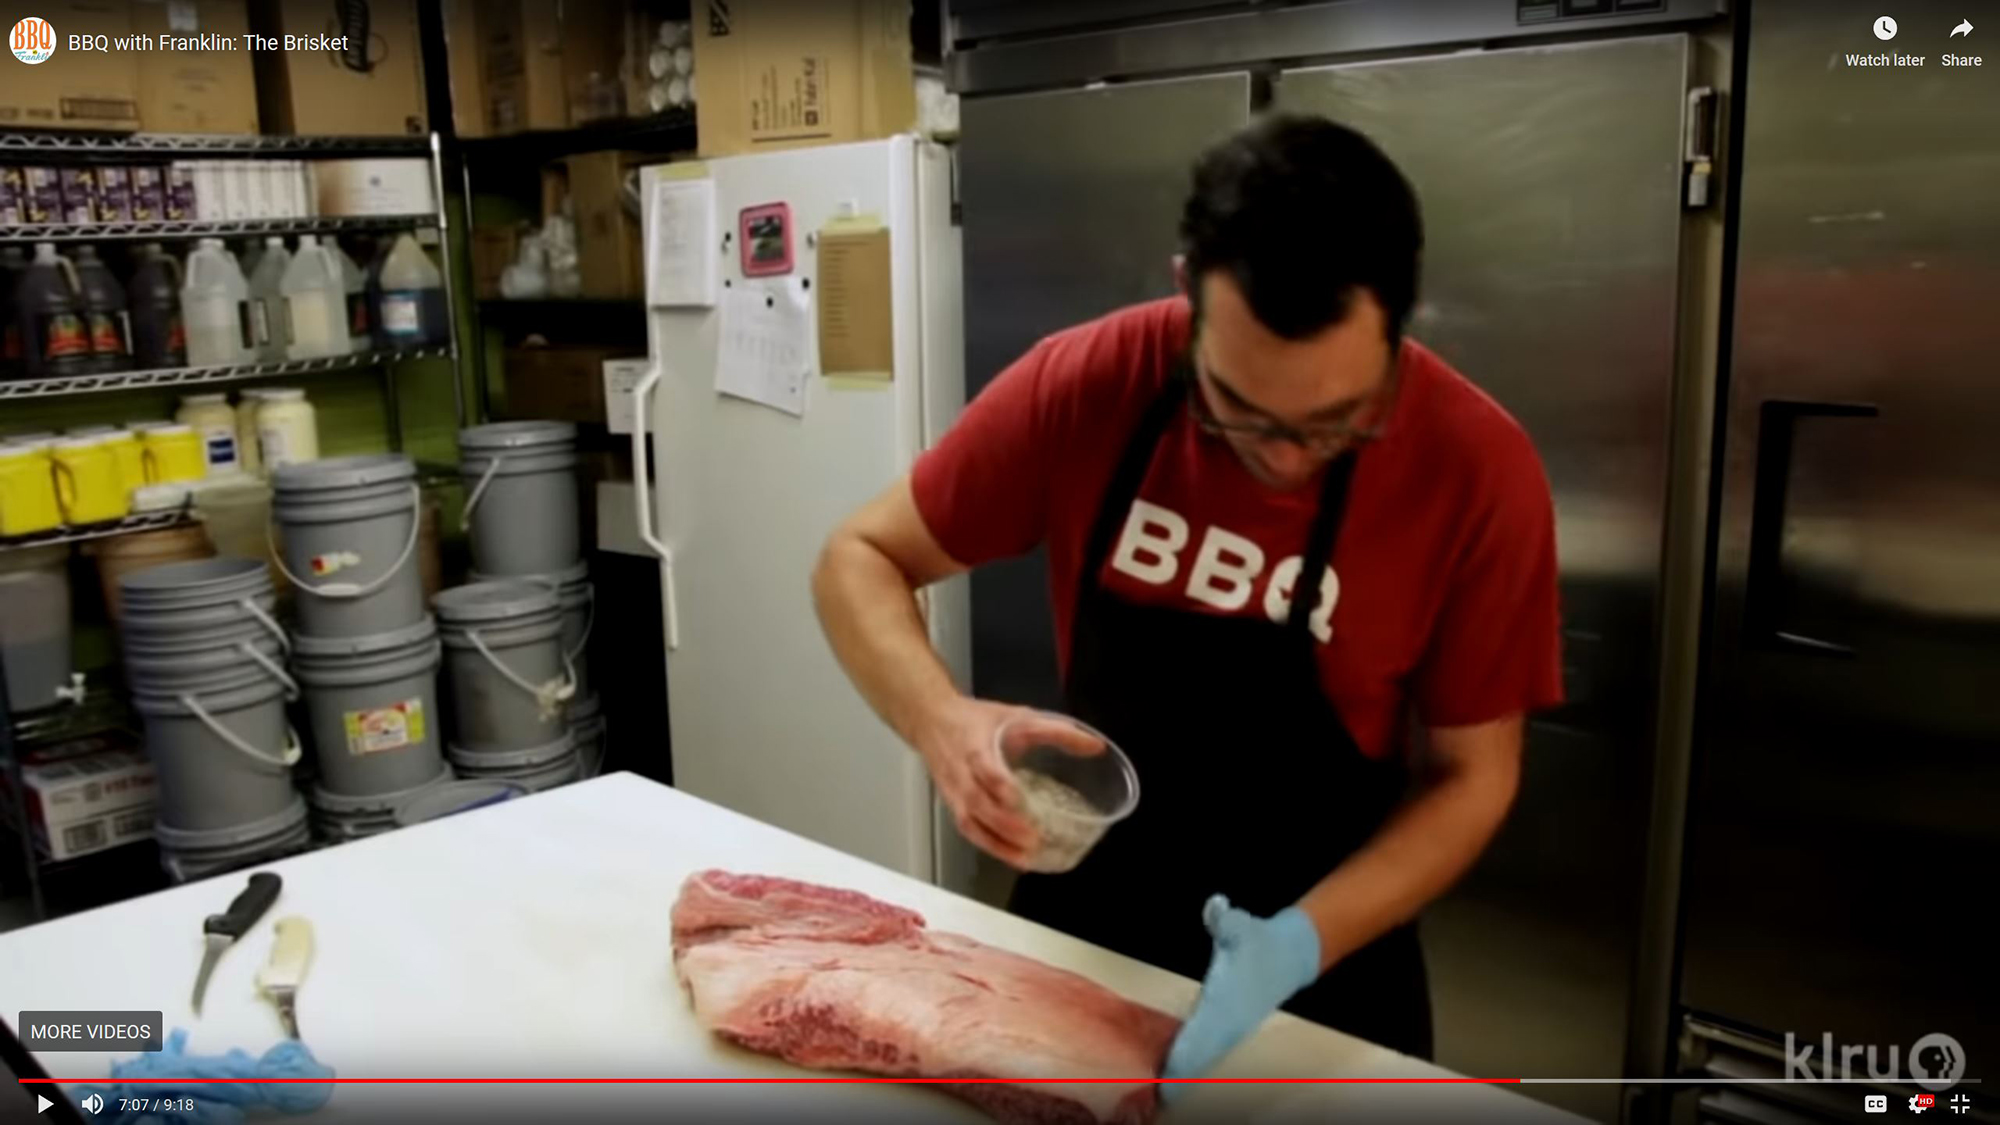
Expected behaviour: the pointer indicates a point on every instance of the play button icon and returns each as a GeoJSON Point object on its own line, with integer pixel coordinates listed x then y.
{"type": "Point", "coordinates": [42, 1104]}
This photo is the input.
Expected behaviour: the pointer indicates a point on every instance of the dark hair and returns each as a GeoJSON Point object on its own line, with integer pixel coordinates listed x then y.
{"type": "Point", "coordinates": [1301, 213]}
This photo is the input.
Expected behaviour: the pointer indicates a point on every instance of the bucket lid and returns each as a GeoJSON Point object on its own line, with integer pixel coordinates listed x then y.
{"type": "Point", "coordinates": [424, 630]}
{"type": "Point", "coordinates": [584, 708]}
{"type": "Point", "coordinates": [455, 797]}
{"type": "Point", "coordinates": [224, 574]}
{"type": "Point", "coordinates": [499, 437]}
{"type": "Point", "coordinates": [343, 472]}
{"type": "Point", "coordinates": [374, 805]}
{"type": "Point", "coordinates": [493, 601]}
{"type": "Point", "coordinates": [568, 576]}
{"type": "Point", "coordinates": [256, 833]}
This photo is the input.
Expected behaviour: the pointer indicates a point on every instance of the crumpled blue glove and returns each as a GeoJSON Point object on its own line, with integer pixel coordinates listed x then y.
{"type": "Point", "coordinates": [215, 1103]}
{"type": "Point", "coordinates": [1257, 965]}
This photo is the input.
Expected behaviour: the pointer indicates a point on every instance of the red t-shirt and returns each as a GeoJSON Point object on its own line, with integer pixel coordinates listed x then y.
{"type": "Point", "coordinates": [1443, 579]}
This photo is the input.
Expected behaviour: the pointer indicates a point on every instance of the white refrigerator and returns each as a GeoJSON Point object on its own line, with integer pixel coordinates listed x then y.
{"type": "Point", "coordinates": [744, 493]}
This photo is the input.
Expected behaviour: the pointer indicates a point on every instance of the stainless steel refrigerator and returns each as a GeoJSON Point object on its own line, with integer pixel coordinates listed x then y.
{"type": "Point", "coordinates": [1844, 831]}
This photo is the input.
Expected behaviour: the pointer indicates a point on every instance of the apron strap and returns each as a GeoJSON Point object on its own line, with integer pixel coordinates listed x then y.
{"type": "Point", "coordinates": [1333, 491]}
{"type": "Point", "coordinates": [1124, 486]}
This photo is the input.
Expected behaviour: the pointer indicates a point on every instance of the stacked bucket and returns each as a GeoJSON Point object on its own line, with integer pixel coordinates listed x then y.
{"type": "Point", "coordinates": [514, 639]}
{"type": "Point", "coordinates": [365, 652]}
{"type": "Point", "coordinates": [204, 661]}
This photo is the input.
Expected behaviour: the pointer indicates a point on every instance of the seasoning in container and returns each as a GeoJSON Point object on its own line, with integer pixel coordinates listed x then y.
{"type": "Point", "coordinates": [41, 195]}
{"type": "Point", "coordinates": [149, 198]}
{"type": "Point", "coordinates": [114, 194]}
{"type": "Point", "coordinates": [1067, 825]}
{"type": "Point", "coordinates": [79, 195]}
{"type": "Point", "coordinates": [180, 193]}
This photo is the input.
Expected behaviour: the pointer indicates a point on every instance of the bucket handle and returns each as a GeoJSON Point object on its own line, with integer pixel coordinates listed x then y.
{"type": "Point", "coordinates": [269, 623]}
{"type": "Point", "coordinates": [343, 590]}
{"type": "Point", "coordinates": [478, 493]}
{"type": "Point", "coordinates": [291, 753]}
{"type": "Point", "coordinates": [589, 619]}
{"type": "Point", "coordinates": [549, 697]}
{"type": "Point", "coordinates": [276, 670]}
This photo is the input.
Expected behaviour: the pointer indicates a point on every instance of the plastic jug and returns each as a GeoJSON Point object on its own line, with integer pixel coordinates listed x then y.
{"type": "Point", "coordinates": [215, 308]}
{"type": "Point", "coordinates": [159, 337]}
{"type": "Point", "coordinates": [105, 313]}
{"type": "Point", "coordinates": [13, 263]}
{"type": "Point", "coordinates": [412, 312]}
{"type": "Point", "coordinates": [354, 286]}
{"type": "Point", "coordinates": [48, 306]}
{"type": "Point", "coordinates": [315, 302]}
{"type": "Point", "coordinates": [267, 300]}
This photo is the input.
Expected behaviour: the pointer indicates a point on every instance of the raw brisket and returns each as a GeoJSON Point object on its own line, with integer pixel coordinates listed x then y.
{"type": "Point", "coordinates": [833, 979]}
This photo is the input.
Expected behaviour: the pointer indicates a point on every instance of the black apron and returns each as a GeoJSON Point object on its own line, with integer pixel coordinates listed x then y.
{"type": "Point", "coordinates": [1249, 783]}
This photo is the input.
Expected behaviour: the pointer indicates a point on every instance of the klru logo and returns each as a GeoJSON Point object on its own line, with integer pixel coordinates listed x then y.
{"type": "Point", "coordinates": [1936, 1062]}
{"type": "Point", "coordinates": [33, 40]}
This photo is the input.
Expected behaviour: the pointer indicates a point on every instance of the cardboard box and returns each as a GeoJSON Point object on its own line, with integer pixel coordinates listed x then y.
{"type": "Point", "coordinates": [374, 92]}
{"type": "Point", "coordinates": [195, 91]}
{"type": "Point", "coordinates": [383, 186]}
{"type": "Point", "coordinates": [549, 64]}
{"type": "Point", "coordinates": [463, 51]}
{"type": "Point", "coordinates": [74, 89]}
{"type": "Point", "coordinates": [560, 382]}
{"type": "Point", "coordinates": [91, 802]}
{"type": "Point", "coordinates": [493, 250]}
{"type": "Point", "coordinates": [779, 74]}
{"type": "Point", "coordinates": [609, 248]}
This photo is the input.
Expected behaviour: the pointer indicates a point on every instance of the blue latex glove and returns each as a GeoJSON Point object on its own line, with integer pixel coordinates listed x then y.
{"type": "Point", "coordinates": [215, 1103]}
{"type": "Point", "coordinates": [1257, 965]}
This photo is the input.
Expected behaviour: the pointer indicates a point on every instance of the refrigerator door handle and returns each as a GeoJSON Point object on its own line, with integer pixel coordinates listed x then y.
{"type": "Point", "coordinates": [642, 497]}
{"type": "Point", "coordinates": [1777, 424]}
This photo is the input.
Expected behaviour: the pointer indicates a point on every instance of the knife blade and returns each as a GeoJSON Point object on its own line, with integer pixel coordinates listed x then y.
{"type": "Point", "coordinates": [220, 931]}
{"type": "Point", "coordinates": [280, 978]}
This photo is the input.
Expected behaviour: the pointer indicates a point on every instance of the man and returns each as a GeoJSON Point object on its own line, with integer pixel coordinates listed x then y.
{"type": "Point", "coordinates": [1276, 528]}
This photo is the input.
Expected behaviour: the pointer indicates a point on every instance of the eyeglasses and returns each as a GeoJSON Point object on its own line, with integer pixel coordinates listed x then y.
{"type": "Point", "coordinates": [1322, 439]}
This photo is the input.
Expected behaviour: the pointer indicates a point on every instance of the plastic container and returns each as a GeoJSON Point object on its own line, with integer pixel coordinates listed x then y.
{"type": "Point", "coordinates": [287, 429]}
{"type": "Point", "coordinates": [372, 708]}
{"type": "Point", "coordinates": [247, 452]}
{"type": "Point", "coordinates": [28, 504]}
{"type": "Point", "coordinates": [236, 508]}
{"type": "Point", "coordinates": [339, 817]}
{"type": "Point", "coordinates": [173, 453]}
{"type": "Point", "coordinates": [178, 603]}
{"type": "Point", "coordinates": [131, 459]}
{"type": "Point", "coordinates": [521, 497]}
{"type": "Point", "coordinates": [412, 311]}
{"type": "Point", "coordinates": [221, 749]}
{"type": "Point", "coordinates": [454, 797]}
{"type": "Point", "coordinates": [89, 484]}
{"type": "Point", "coordinates": [577, 597]}
{"type": "Point", "coordinates": [534, 769]}
{"type": "Point", "coordinates": [35, 626]}
{"type": "Point", "coordinates": [350, 530]}
{"type": "Point", "coordinates": [104, 313]}
{"type": "Point", "coordinates": [159, 336]}
{"type": "Point", "coordinates": [267, 300]}
{"type": "Point", "coordinates": [215, 421]}
{"type": "Point", "coordinates": [121, 555]}
{"type": "Point", "coordinates": [1071, 794]}
{"type": "Point", "coordinates": [48, 306]}
{"type": "Point", "coordinates": [190, 854]}
{"type": "Point", "coordinates": [503, 659]}
{"type": "Point", "coordinates": [315, 302]}
{"type": "Point", "coordinates": [354, 290]}
{"type": "Point", "coordinates": [215, 308]}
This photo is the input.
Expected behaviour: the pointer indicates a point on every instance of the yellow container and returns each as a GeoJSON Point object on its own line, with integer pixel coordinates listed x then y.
{"type": "Point", "coordinates": [87, 481]}
{"type": "Point", "coordinates": [173, 453]}
{"type": "Point", "coordinates": [124, 447]}
{"type": "Point", "coordinates": [27, 491]}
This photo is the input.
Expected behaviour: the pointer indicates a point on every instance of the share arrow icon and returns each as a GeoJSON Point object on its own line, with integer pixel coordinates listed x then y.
{"type": "Point", "coordinates": [1964, 28]}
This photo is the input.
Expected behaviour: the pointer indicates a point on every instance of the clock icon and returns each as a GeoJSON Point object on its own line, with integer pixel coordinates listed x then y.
{"type": "Point", "coordinates": [1885, 28]}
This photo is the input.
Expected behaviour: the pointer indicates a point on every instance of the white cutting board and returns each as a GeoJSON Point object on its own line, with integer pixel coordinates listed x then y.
{"type": "Point", "coordinates": [533, 940]}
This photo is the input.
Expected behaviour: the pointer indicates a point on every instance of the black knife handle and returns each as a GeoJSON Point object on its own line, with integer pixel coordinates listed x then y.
{"type": "Point", "coordinates": [247, 907]}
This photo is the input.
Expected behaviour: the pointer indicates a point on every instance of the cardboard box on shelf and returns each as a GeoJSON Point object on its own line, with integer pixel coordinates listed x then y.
{"type": "Point", "coordinates": [779, 74]}
{"type": "Point", "coordinates": [384, 186]}
{"type": "Point", "coordinates": [549, 64]}
{"type": "Point", "coordinates": [89, 802]}
{"type": "Point", "coordinates": [493, 250]}
{"type": "Point", "coordinates": [463, 51]}
{"type": "Point", "coordinates": [372, 88]}
{"type": "Point", "coordinates": [557, 381]}
{"type": "Point", "coordinates": [96, 90]}
{"type": "Point", "coordinates": [609, 252]}
{"type": "Point", "coordinates": [195, 91]}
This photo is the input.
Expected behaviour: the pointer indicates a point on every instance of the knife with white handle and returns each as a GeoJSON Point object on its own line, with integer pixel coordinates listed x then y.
{"type": "Point", "coordinates": [279, 979]}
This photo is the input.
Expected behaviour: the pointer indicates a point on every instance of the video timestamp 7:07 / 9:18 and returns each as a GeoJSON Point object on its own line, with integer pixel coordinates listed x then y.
{"type": "Point", "coordinates": [156, 1105]}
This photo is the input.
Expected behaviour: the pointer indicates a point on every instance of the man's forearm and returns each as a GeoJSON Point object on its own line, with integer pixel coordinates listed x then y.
{"type": "Point", "coordinates": [1428, 843]}
{"type": "Point", "coordinates": [869, 612]}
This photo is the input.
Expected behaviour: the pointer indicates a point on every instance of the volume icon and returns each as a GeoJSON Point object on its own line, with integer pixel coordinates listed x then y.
{"type": "Point", "coordinates": [94, 1103]}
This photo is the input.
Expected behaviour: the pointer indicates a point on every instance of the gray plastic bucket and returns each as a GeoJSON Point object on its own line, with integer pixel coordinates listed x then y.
{"type": "Point", "coordinates": [503, 660]}
{"type": "Point", "coordinates": [454, 797]}
{"type": "Point", "coordinates": [586, 731]}
{"type": "Point", "coordinates": [189, 854]}
{"type": "Point", "coordinates": [535, 769]}
{"type": "Point", "coordinates": [338, 817]}
{"type": "Point", "coordinates": [371, 708]}
{"type": "Point", "coordinates": [178, 600]}
{"type": "Point", "coordinates": [223, 756]}
{"type": "Point", "coordinates": [217, 665]}
{"type": "Point", "coordinates": [578, 599]}
{"type": "Point", "coordinates": [521, 497]}
{"type": "Point", "coordinates": [350, 543]}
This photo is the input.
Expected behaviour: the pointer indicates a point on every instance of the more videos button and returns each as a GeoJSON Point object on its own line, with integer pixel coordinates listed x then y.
{"type": "Point", "coordinates": [91, 1031]}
